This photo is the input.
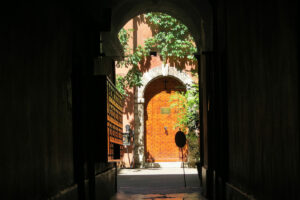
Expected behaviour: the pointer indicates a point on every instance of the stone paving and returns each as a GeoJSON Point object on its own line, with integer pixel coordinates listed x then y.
{"type": "Point", "coordinates": [158, 184]}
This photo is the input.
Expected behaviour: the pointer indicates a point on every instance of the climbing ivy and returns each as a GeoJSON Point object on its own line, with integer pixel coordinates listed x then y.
{"type": "Point", "coordinates": [187, 104]}
{"type": "Point", "coordinates": [170, 37]}
{"type": "Point", "coordinates": [131, 60]}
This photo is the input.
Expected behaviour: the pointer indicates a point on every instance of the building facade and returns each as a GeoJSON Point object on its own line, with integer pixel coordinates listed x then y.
{"type": "Point", "coordinates": [147, 109]}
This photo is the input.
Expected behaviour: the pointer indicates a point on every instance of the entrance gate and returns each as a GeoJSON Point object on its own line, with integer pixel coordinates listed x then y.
{"type": "Point", "coordinates": [160, 120]}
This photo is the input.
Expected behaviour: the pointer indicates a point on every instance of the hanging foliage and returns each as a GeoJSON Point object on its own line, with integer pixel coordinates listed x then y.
{"type": "Point", "coordinates": [170, 37]}
{"type": "Point", "coordinates": [187, 104]}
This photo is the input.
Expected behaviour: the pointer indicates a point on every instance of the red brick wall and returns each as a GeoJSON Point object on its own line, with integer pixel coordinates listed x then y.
{"type": "Point", "coordinates": [143, 31]}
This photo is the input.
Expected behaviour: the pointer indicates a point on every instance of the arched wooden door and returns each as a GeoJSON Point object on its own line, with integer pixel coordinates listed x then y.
{"type": "Point", "coordinates": [160, 119]}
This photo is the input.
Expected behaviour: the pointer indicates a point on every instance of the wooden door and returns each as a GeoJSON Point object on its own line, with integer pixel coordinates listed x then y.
{"type": "Point", "coordinates": [160, 120]}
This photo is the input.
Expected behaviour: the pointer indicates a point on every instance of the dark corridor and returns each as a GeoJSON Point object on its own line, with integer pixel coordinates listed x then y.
{"type": "Point", "coordinates": [249, 88]}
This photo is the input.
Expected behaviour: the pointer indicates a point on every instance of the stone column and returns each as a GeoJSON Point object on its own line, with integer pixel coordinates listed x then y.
{"type": "Point", "coordinates": [139, 146]}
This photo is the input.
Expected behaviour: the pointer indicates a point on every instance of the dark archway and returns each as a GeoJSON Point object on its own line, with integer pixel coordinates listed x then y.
{"type": "Point", "coordinates": [47, 55]}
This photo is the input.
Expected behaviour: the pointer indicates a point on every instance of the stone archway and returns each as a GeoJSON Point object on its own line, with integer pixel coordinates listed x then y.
{"type": "Point", "coordinates": [154, 73]}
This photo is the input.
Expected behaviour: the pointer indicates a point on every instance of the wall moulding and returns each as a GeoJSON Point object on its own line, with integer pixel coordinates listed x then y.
{"type": "Point", "coordinates": [147, 78]}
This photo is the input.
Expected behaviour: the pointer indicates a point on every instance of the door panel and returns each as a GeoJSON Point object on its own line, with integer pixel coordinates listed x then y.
{"type": "Point", "coordinates": [160, 120]}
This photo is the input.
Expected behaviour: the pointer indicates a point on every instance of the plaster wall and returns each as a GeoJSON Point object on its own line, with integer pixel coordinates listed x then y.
{"type": "Point", "coordinates": [36, 119]}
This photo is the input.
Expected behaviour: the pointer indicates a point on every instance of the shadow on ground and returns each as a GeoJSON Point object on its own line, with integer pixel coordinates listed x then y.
{"type": "Point", "coordinates": [156, 187]}
{"type": "Point", "coordinates": [179, 196]}
{"type": "Point", "coordinates": [158, 184]}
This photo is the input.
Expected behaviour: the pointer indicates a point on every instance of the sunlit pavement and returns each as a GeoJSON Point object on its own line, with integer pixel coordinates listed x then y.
{"type": "Point", "coordinates": [158, 183]}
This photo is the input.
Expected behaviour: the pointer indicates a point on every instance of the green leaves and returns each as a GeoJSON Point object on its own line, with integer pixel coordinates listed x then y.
{"type": "Point", "coordinates": [170, 37]}
{"type": "Point", "coordinates": [131, 79]}
{"type": "Point", "coordinates": [187, 104]}
{"type": "Point", "coordinates": [124, 37]}
{"type": "Point", "coordinates": [131, 60]}
{"type": "Point", "coordinates": [120, 85]}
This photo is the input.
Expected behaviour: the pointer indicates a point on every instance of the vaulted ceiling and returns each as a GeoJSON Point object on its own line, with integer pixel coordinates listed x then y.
{"type": "Point", "coordinates": [196, 15]}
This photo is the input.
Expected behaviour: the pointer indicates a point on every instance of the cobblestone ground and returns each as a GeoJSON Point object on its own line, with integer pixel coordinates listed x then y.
{"type": "Point", "coordinates": [158, 183]}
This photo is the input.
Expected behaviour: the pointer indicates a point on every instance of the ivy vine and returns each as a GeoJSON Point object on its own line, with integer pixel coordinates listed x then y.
{"type": "Point", "coordinates": [187, 104]}
{"type": "Point", "coordinates": [170, 38]}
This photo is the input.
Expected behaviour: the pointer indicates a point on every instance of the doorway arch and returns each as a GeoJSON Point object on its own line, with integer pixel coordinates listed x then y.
{"type": "Point", "coordinates": [185, 11]}
{"type": "Point", "coordinates": [160, 118]}
{"type": "Point", "coordinates": [147, 78]}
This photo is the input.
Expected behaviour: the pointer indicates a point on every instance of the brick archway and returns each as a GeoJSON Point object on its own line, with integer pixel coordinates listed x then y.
{"type": "Point", "coordinates": [148, 77]}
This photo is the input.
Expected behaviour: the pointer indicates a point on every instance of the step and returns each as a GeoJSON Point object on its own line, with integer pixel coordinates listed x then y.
{"type": "Point", "coordinates": [165, 165]}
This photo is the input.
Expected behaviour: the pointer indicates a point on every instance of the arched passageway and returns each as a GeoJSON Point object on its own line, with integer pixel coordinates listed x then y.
{"type": "Point", "coordinates": [154, 118]}
{"type": "Point", "coordinates": [186, 12]}
{"type": "Point", "coordinates": [249, 78]}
